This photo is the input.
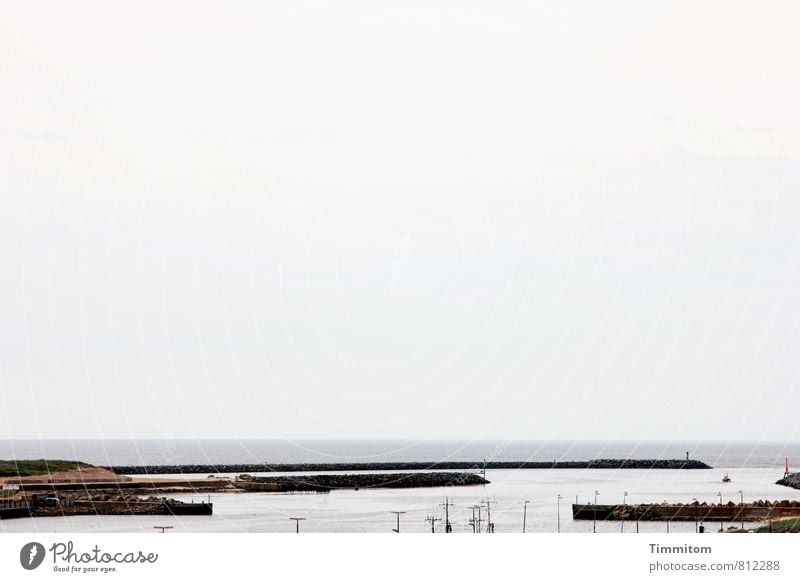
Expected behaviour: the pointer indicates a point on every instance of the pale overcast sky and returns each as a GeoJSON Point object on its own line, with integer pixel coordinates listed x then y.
{"type": "Point", "coordinates": [430, 219]}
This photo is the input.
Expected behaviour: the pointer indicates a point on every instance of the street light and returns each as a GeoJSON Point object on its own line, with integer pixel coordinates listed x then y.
{"type": "Point", "coordinates": [594, 513]}
{"type": "Point", "coordinates": [624, 501]}
{"type": "Point", "coordinates": [741, 497]}
{"type": "Point", "coordinates": [558, 513]}
{"type": "Point", "coordinates": [297, 521]}
{"type": "Point", "coordinates": [722, 521]}
{"type": "Point", "coordinates": [524, 514]}
{"type": "Point", "coordinates": [695, 513]}
{"type": "Point", "coordinates": [398, 514]}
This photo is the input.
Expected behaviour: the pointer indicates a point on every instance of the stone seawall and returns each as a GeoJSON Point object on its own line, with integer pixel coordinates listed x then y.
{"type": "Point", "coordinates": [409, 466]}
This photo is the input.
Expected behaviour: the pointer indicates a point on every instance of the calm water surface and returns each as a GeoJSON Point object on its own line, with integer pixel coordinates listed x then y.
{"type": "Point", "coordinates": [753, 468]}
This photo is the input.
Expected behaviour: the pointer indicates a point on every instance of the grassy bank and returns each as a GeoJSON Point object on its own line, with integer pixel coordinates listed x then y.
{"type": "Point", "coordinates": [28, 468]}
{"type": "Point", "coordinates": [786, 526]}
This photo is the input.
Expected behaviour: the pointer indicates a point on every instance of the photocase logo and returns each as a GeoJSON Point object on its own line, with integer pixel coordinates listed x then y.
{"type": "Point", "coordinates": [31, 555]}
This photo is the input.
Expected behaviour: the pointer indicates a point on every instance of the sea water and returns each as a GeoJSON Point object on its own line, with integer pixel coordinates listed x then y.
{"type": "Point", "coordinates": [753, 469]}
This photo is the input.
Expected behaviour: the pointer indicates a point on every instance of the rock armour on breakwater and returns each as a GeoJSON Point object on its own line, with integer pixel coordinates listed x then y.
{"type": "Point", "coordinates": [700, 512]}
{"type": "Point", "coordinates": [791, 480]}
{"type": "Point", "coordinates": [409, 466]}
{"type": "Point", "coordinates": [365, 481]}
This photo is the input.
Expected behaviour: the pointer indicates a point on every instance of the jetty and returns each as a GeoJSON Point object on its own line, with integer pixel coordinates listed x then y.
{"type": "Point", "coordinates": [406, 466]}
{"type": "Point", "coordinates": [76, 504]}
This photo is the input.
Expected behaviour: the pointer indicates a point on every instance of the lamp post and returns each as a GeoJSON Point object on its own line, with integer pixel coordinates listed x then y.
{"type": "Point", "coordinates": [594, 513]}
{"type": "Point", "coordinates": [558, 513]}
{"type": "Point", "coordinates": [524, 514]}
{"type": "Point", "coordinates": [624, 502]}
{"type": "Point", "coordinates": [694, 499]}
{"type": "Point", "coordinates": [741, 497]}
{"type": "Point", "coordinates": [722, 521]}
{"type": "Point", "coordinates": [398, 514]}
{"type": "Point", "coordinates": [297, 521]}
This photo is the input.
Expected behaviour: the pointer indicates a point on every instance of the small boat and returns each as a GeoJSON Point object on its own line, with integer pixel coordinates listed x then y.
{"type": "Point", "coordinates": [726, 479]}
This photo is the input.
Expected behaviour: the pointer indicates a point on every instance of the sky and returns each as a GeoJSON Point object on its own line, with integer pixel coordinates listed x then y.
{"type": "Point", "coordinates": [423, 220]}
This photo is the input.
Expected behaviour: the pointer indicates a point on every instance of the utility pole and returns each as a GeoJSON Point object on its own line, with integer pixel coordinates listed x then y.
{"type": "Point", "coordinates": [489, 524]}
{"type": "Point", "coordinates": [447, 527]}
{"type": "Point", "coordinates": [297, 521]}
{"type": "Point", "coordinates": [558, 513]}
{"type": "Point", "coordinates": [432, 521]}
{"type": "Point", "coordinates": [398, 514]}
{"type": "Point", "coordinates": [524, 514]}
{"type": "Point", "coordinates": [475, 522]}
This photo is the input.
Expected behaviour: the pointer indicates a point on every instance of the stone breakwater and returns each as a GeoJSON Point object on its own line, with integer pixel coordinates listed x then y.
{"type": "Point", "coordinates": [323, 483]}
{"type": "Point", "coordinates": [409, 466]}
{"type": "Point", "coordinates": [700, 512]}
{"type": "Point", "coordinates": [791, 480]}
